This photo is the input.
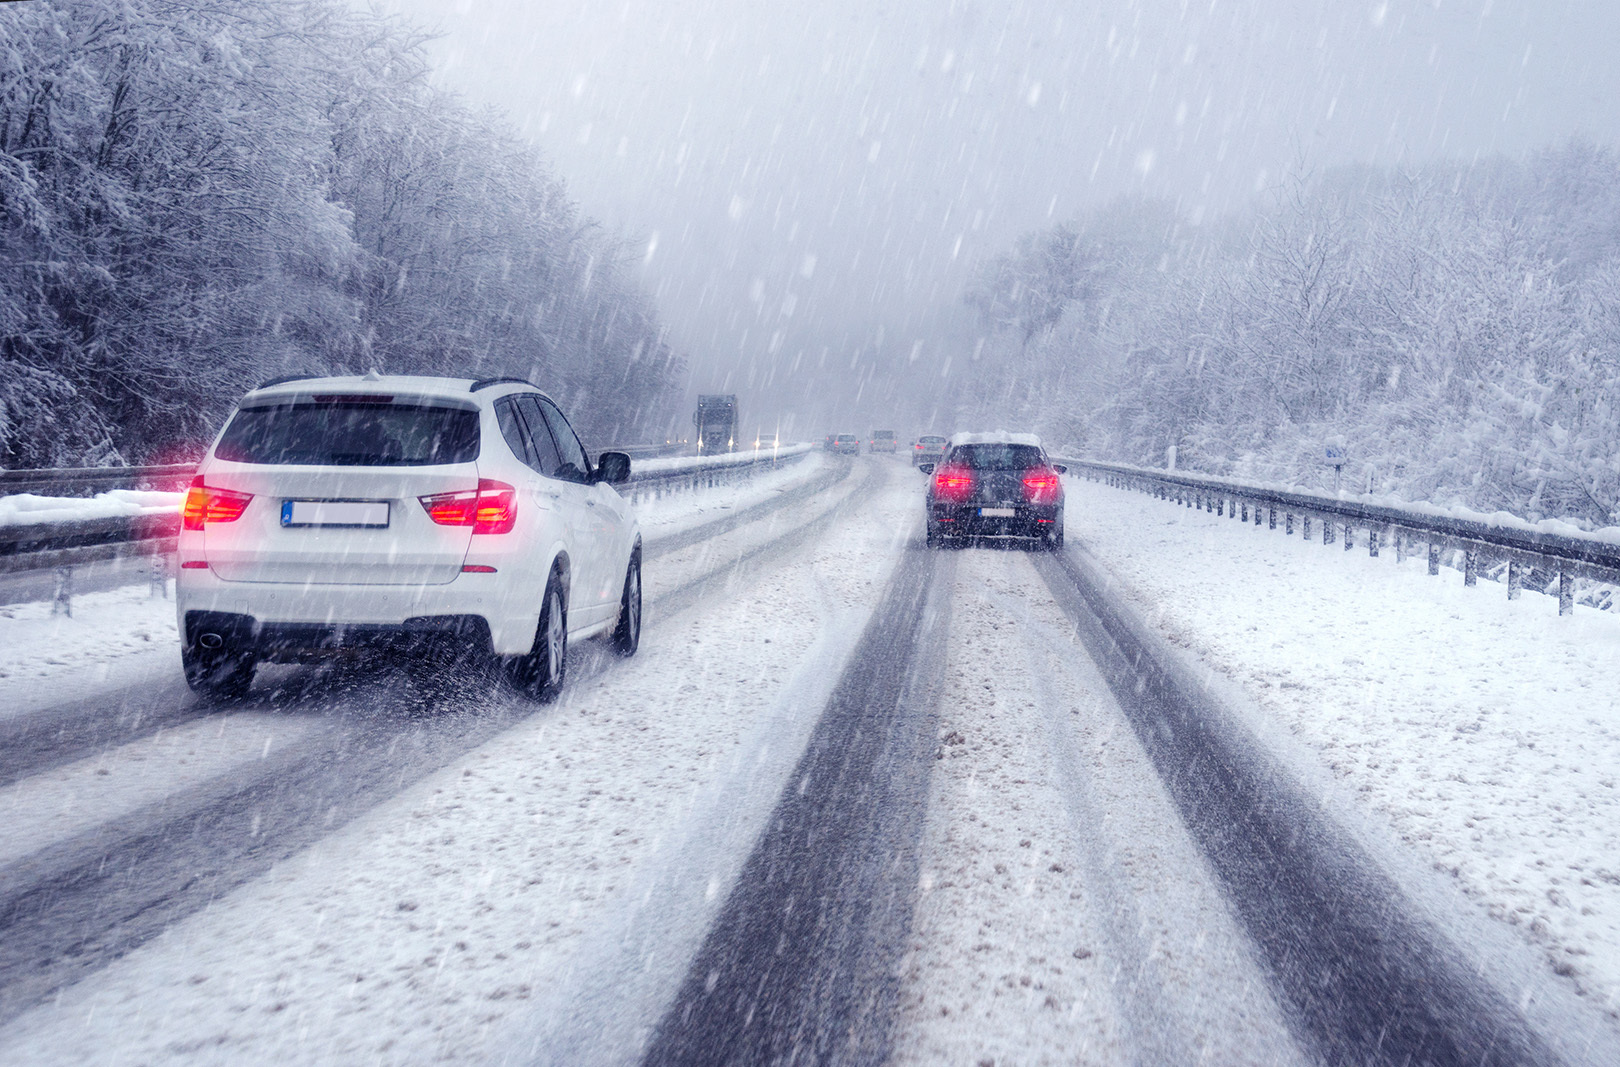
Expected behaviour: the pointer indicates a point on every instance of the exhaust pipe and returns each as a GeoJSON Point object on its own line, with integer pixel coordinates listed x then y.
{"type": "Point", "coordinates": [211, 641]}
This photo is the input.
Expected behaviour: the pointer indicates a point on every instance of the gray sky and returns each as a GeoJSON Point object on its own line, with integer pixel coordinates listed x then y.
{"type": "Point", "coordinates": [813, 181]}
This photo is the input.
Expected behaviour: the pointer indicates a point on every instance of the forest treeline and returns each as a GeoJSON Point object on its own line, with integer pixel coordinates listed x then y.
{"type": "Point", "coordinates": [1455, 330]}
{"type": "Point", "coordinates": [196, 195]}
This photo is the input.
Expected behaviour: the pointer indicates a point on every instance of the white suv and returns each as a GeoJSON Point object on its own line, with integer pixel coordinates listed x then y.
{"type": "Point", "coordinates": [403, 512]}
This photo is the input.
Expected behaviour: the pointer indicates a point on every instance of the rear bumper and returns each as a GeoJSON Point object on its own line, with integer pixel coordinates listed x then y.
{"type": "Point", "coordinates": [299, 641]}
{"type": "Point", "coordinates": [964, 520]}
{"type": "Point", "coordinates": [327, 617]}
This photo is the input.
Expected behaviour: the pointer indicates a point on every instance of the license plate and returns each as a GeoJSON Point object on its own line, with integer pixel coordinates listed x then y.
{"type": "Point", "coordinates": [367, 513]}
{"type": "Point", "coordinates": [998, 513]}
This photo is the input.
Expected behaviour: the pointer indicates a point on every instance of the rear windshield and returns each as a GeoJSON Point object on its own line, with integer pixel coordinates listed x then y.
{"type": "Point", "coordinates": [351, 435]}
{"type": "Point", "coordinates": [846, 437]}
{"type": "Point", "coordinates": [885, 434]}
{"type": "Point", "coordinates": [997, 457]}
{"type": "Point", "coordinates": [931, 440]}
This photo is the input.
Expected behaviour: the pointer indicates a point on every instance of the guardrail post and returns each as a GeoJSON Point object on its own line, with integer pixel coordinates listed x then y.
{"type": "Point", "coordinates": [1470, 567]}
{"type": "Point", "coordinates": [1288, 524]}
{"type": "Point", "coordinates": [1566, 592]}
{"type": "Point", "coordinates": [1327, 530]}
{"type": "Point", "coordinates": [1220, 507]}
{"type": "Point", "coordinates": [1245, 506]}
{"type": "Point", "coordinates": [1272, 514]}
{"type": "Point", "coordinates": [62, 599]}
{"type": "Point", "coordinates": [1372, 541]}
{"type": "Point", "coordinates": [157, 576]}
{"type": "Point", "coordinates": [1349, 537]}
{"type": "Point", "coordinates": [1434, 556]}
{"type": "Point", "coordinates": [1515, 578]}
{"type": "Point", "coordinates": [1398, 535]}
{"type": "Point", "coordinates": [1257, 515]}
{"type": "Point", "coordinates": [1305, 527]}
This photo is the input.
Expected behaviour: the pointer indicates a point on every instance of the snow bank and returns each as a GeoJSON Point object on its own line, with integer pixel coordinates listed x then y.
{"type": "Point", "coordinates": [24, 509]}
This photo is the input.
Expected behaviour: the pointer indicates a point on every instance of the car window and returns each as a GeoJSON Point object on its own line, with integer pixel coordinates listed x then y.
{"type": "Point", "coordinates": [548, 460]}
{"type": "Point", "coordinates": [357, 433]}
{"type": "Point", "coordinates": [997, 457]}
{"type": "Point", "coordinates": [515, 432]}
{"type": "Point", "coordinates": [575, 467]}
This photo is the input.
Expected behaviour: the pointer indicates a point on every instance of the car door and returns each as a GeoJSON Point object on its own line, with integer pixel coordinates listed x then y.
{"type": "Point", "coordinates": [566, 488]}
{"type": "Point", "coordinates": [607, 516]}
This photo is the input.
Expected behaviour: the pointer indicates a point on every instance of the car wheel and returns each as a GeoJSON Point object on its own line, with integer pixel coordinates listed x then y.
{"type": "Point", "coordinates": [541, 673]}
{"type": "Point", "coordinates": [627, 634]}
{"type": "Point", "coordinates": [1054, 538]}
{"type": "Point", "coordinates": [222, 676]}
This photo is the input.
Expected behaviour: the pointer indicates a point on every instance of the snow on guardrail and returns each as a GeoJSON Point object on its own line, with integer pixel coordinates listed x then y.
{"type": "Point", "coordinates": [1545, 553]}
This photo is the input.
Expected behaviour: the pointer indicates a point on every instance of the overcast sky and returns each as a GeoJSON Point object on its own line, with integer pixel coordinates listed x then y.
{"type": "Point", "coordinates": [812, 181]}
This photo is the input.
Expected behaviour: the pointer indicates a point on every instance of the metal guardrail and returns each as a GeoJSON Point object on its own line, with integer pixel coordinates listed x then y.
{"type": "Point", "coordinates": [1536, 555]}
{"type": "Point", "coordinates": [58, 479]}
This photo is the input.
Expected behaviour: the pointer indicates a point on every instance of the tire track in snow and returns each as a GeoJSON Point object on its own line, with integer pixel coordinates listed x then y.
{"type": "Point", "coordinates": [1364, 982]}
{"type": "Point", "coordinates": [800, 964]}
{"type": "Point", "coordinates": [1064, 913]}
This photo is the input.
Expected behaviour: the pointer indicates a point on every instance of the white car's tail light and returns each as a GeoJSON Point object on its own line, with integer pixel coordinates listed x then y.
{"type": "Point", "coordinates": [489, 509]}
{"type": "Point", "coordinates": [208, 503]}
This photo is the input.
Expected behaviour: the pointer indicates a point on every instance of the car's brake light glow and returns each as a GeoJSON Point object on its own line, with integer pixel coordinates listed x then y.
{"type": "Point", "coordinates": [953, 484]}
{"type": "Point", "coordinates": [194, 565]}
{"type": "Point", "coordinates": [489, 509]}
{"type": "Point", "coordinates": [1041, 486]}
{"type": "Point", "coordinates": [477, 568]}
{"type": "Point", "coordinates": [209, 503]}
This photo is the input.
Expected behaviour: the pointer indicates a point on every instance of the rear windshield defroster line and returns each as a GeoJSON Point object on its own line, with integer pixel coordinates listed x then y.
{"type": "Point", "coordinates": [345, 434]}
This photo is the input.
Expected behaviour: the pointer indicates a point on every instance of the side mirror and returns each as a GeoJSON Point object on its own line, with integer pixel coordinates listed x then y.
{"type": "Point", "coordinates": [1060, 468]}
{"type": "Point", "coordinates": [926, 468]}
{"type": "Point", "coordinates": [613, 468]}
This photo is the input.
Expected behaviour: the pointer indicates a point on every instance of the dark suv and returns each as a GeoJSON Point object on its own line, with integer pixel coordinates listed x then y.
{"type": "Point", "coordinates": [995, 485]}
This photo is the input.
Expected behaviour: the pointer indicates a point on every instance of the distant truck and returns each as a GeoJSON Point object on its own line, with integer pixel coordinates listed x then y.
{"type": "Point", "coordinates": [716, 422]}
{"type": "Point", "coordinates": [883, 441]}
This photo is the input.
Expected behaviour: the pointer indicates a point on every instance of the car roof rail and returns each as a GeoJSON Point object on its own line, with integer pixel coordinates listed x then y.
{"type": "Point", "coordinates": [284, 379]}
{"type": "Point", "coordinates": [486, 383]}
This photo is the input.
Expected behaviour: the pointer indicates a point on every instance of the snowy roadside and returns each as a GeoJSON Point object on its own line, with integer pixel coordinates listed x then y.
{"type": "Point", "coordinates": [115, 639]}
{"type": "Point", "coordinates": [1485, 735]}
{"type": "Point", "coordinates": [681, 511]}
{"type": "Point", "coordinates": [1064, 914]}
{"type": "Point", "coordinates": [561, 873]}
{"type": "Point", "coordinates": [125, 636]}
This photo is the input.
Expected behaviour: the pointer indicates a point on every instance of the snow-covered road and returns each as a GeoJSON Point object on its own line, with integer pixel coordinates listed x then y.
{"type": "Point", "coordinates": [854, 799]}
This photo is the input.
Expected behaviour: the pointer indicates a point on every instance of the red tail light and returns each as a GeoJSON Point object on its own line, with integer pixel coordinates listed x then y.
{"type": "Point", "coordinates": [489, 509]}
{"type": "Point", "coordinates": [953, 484]}
{"type": "Point", "coordinates": [208, 503]}
{"type": "Point", "coordinates": [1041, 486]}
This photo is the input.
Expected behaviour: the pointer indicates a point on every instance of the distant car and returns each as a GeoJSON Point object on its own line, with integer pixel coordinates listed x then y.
{"type": "Point", "coordinates": [927, 449]}
{"type": "Point", "coordinates": [847, 444]}
{"type": "Point", "coordinates": [408, 513]}
{"type": "Point", "coordinates": [994, 485]}
{"type": "Point", "coordinates": [883, 441]}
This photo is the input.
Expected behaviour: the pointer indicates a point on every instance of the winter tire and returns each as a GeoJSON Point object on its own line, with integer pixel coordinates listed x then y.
{"type": "Point", "coordinates": [218, 676]}
{"type": "Point", "coordinates": [541, 673]}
